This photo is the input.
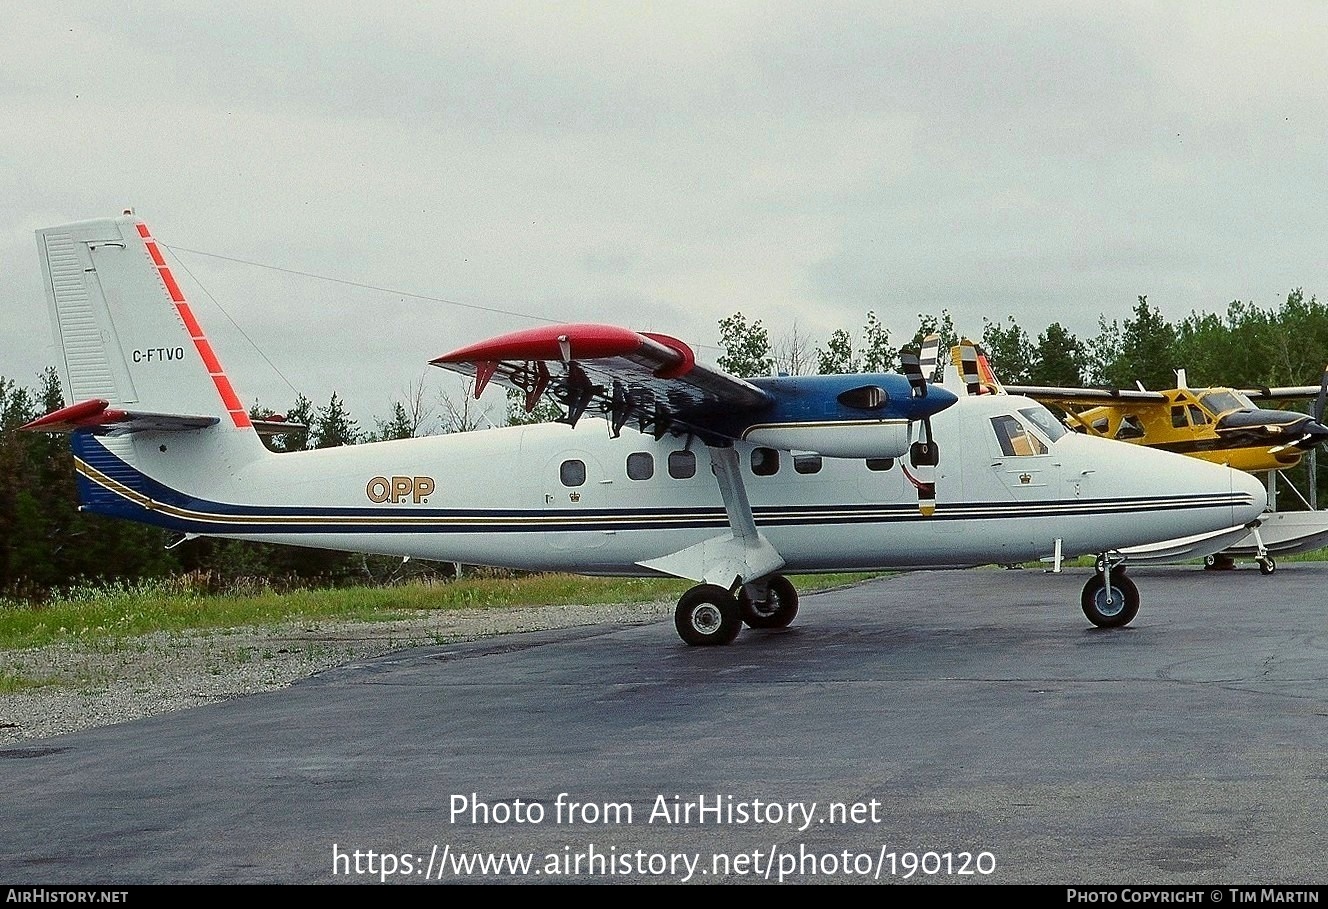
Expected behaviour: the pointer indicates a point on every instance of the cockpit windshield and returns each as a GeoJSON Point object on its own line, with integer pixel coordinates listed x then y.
{"type": "Point", "coordinates": [1221, 401]}
{"type": "Point", "coordinates": [1042, 418]}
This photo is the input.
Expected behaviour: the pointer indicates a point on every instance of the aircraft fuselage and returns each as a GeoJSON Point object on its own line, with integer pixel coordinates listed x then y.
{"type": "Point", "coordinates": [554, 497]}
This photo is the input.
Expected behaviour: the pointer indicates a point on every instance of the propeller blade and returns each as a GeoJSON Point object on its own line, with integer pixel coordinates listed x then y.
{"type": "Point", "coordinates": [931, 347]}
{"type": "Point", "coordinates": [912, 368]}
{"type": "Point", "coordinates": [924, 455]}
{"type": "Point", "coordinates": [968, 365]}
{"type": "Point", "coordinates": [926, 491]}
{"type": "Point", "coordinates": [990, 385]}
{"type": "Point", "coordinates": [1296, 444]}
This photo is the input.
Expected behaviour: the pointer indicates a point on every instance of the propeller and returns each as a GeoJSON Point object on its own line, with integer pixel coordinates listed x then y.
{"type": "Point", "coordinates": [923, 454]}
{"type": "Point", "coordinates": [1314, 432]}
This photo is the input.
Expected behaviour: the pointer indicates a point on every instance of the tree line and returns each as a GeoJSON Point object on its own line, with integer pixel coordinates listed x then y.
{"type": "Point", "coordinates": [47, 543]}
{"type": "Point", "coordinates": [1247, 346]}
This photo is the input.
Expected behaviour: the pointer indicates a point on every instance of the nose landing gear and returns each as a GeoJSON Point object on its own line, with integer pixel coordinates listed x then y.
{"type": "Point", "coordinates": [1110, 599]}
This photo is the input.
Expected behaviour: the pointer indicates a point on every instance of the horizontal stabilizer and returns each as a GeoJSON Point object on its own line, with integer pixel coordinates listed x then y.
{"type": "Point", "coordinates": [99, 418]}
{"type": "Point", "coordinates": [274, 426]}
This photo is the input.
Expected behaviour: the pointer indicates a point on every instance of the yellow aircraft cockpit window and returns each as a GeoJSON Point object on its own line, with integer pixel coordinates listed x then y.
{"type": "Point", "coordinates": [1178, 420]}
{"type": "Point", "coordinates": [1223, 401]}
{"type": "Point", "coordinates": [1198, 416]}
{"type": "Point", "coordinates": [1015, 438]}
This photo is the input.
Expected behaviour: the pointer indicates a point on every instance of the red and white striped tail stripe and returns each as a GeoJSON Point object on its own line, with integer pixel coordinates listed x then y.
{"type": "Point", "coordinates": [229, 399]}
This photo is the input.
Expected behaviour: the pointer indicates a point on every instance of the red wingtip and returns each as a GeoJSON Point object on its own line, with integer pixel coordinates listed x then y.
{"type": "Point", "coordinates": [84, 413]}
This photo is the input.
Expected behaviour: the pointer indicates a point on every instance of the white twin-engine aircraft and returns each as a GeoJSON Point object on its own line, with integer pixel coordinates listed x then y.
{"type": "Point", "coordinates": [662, 467]}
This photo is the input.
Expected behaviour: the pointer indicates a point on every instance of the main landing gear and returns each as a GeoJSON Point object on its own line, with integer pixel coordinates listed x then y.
{"type": "Point", "coordinates": [1267, 564]}
{"type": "Point", "coordinates": [708, 614]}
{"type": "Point", "coordinates": [1110, 599]}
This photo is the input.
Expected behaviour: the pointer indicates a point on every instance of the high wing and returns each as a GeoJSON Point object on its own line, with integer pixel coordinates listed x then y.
{"type": "Point", "coordinates": [1086, 396]}
{"type": "Point", "coordinates": [649, 380]}
{"type": "Point", "coordinates": [1282, 393]}
{"type": "Point", "coordinates": [1293, 393]}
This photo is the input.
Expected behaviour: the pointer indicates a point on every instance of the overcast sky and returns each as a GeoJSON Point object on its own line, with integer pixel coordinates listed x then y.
{"type": "Point", "coordinates": [661, 166]}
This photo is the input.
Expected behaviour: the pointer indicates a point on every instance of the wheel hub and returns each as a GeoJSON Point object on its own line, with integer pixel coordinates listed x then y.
{"type": "Point", "coordinates": [707, 618]}
{"type": "Point", "coordinates": [1110, 605]}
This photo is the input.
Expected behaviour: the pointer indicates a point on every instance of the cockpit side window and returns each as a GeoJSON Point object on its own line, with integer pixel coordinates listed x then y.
{"type": "Point", "coordinates": [1044, 420]}
{"type": "Point", "coordinates": [1015, 439]}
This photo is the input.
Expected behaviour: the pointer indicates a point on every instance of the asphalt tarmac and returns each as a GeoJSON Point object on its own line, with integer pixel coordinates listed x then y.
{"type": "Point", "coordinates": [934, 727]}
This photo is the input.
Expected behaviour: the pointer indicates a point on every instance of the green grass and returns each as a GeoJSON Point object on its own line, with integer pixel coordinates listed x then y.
{"type": "Point", "coordinates": [119, 611]}
{"type": "Point", "coordinates": [9, 684]}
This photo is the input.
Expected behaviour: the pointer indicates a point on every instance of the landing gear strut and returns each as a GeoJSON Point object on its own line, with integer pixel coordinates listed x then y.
{"type": "Point", "coordinates": [1110, 599]}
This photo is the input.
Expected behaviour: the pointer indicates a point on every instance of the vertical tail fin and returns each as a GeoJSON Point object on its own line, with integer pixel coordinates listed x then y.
{"type": "Point", "coordinates": [152, 411]}
{"type": "Point", "coordinates": [127, 333]}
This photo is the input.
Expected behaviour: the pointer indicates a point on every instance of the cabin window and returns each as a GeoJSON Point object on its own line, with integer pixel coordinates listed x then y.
{"type": "Point", "coordinates": [640, 465]}
{"type": "Point", "coordinates": [1016, 441]}
{"type": "Point", "coordinates": [1178, 420]}
{"type": "Point", "coordinates": [765, 462]}
{"type": "Point", "coordinates": [807, 464]}
{"type": "Point", "coordinates": [880, 463]}
{"type": "Point", "coordinates": [1130, 428]}
{"type": "Point", "coordinates": [868, 397]}
{"type": "Point", "coordinates": [572, 473]}
{"type": "Point", "coordinates": [682, 465]}
{"type": "Point", "coordinates": [1197, 416]}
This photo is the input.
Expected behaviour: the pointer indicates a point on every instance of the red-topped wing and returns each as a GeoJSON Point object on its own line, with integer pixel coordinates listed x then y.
{"type": "Point", "coordinates": [648, 379]}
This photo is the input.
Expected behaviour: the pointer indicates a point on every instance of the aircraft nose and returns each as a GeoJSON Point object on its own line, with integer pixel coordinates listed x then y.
{"type": "Point", "coordinates": [1252, 494]}
{"type": "Point", "coordinates": [1314, 434]}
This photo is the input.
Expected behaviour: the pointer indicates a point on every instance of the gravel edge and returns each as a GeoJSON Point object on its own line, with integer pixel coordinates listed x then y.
{"type": "Point", "coordinates": [108, 682]}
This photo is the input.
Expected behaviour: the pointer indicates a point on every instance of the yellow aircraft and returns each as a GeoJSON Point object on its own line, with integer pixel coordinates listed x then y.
{"type": "Point", "coordinates": [1217, 424]}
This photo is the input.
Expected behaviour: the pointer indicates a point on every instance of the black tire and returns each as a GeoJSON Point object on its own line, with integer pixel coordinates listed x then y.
{"type": "Point", "coordinates": [1267, 566]}
{"type": "Point", "coordinates": [777, 610]}
{"type": "Point", "coordinates": [1120, 610]}
{"type": "Point", "coordinates": [707, 615]}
